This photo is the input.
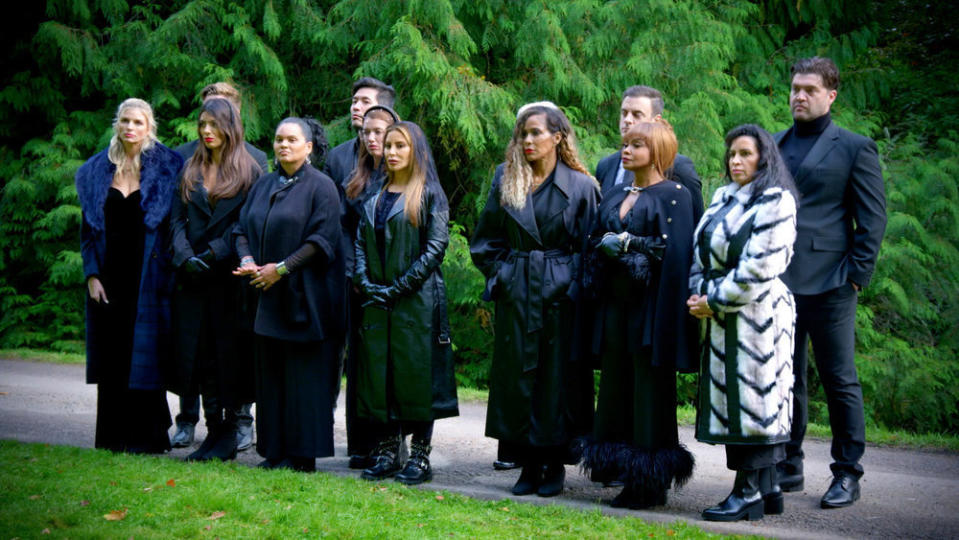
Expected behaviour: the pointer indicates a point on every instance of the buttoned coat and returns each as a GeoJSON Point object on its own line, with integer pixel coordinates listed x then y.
{"type": "Point", "coordinates": [842, 214]}
{"type": "Point", "coordinates": [742, 249]}
{"type": "Point", "coordinates": [683, 172]}
{"type": "Point", "coordinates": [412, 338]}
{"type": "Point", "coordinates": [159, 167]}
{"type": "Point", "coordinates": [533, 274]}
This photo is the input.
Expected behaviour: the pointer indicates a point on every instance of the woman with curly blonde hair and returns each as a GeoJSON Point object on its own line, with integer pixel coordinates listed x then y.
{"type": "Point", "coordinates": [528, 243]}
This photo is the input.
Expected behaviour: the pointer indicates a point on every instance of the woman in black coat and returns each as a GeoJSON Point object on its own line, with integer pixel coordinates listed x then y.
{"type": "Point", "coordinates": [642, 332]}
{"type": "Point", "coordinates": [125, 193]}
{"type": "Point", "coordinates": [214, 340]}
{"type": "Point", "coordinates": [528, 243]}
{"type": "Point", "coordinates": [364, 183]}
{"type": "Point", "coordinates": [404, 364]}
{"type": "Point", "coordinates": [290, 245]}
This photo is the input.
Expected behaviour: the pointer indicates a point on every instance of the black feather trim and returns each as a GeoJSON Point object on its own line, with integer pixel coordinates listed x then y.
{"type": "Point", "coordinates": [655, 468]}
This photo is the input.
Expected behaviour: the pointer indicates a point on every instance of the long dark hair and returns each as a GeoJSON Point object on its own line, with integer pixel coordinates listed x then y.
{"type": "Point", "coordinates": [771, 170]}
{"type": "Point", "coordinates": [237, 169]}
{"type": "Point", "coordinates": [364, 160]}
{"type": "Point", "coordinates": [423, 168]}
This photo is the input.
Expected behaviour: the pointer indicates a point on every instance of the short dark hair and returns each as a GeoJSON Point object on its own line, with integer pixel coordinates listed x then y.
{"type": "Point", "coordinates": [655, 96]}
{"type": "Point", "coordinates": [385, 94]}
{"type": "Point", "coordinates": [818, 65]}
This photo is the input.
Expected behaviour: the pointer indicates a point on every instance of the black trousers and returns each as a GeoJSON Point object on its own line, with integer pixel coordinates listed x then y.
{"type": "Point", "coordinates": [753, 457]}
{"type": "Point", "coordinates": [829, 321]}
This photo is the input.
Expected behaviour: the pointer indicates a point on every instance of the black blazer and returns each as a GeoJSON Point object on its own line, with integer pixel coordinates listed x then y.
{"type": "Point", "coordinates": [842, 212]}
{"type": "Point", "coordinates": [683, 172]}
{"type": "Point", "coordinates": [186, 150]}
{"type": "Point", "coordinates": [341, 161]}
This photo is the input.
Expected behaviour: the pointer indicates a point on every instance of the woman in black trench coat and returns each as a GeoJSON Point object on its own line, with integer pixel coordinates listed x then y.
{"type": "Point", "coordinates": [642, 332]}
{"type": "Point", "coordinates": [125, 192]}
{"type": "Point", "coordinates": [528, 243]}
{"type": "Point", "coordinates": [213, 337]}
{"type": "Point", "coordinates": [290, 245]}
{"type": "Point", "coordinates": [405, 375]}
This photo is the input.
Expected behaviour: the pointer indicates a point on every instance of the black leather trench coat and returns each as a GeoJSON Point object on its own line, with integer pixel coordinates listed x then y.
{"type": "Point", "coordinates": [412, 339]}
{"type": "Point", "coordinates": [540, 383]}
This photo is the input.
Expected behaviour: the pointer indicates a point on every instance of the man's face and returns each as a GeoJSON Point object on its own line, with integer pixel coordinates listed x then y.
{"type": "Point", "coordinates": [363, 99]}
{"type": "Point", "coordinates": [809, 98]}
{"type": "Point", "coordinates": [635, 110]}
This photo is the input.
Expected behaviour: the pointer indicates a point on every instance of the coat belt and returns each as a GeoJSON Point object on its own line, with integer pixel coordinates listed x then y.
{"type": "Point", "coordinates": [536, 268]}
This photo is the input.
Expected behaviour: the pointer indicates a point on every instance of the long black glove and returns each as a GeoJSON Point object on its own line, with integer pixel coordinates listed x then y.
{"type": "Point", "coordinates": [651, 246]}
{"type": "Point", "coordinates": [207, 256]}
{"type": "Point", "coordinates": [611, 245]}
{"type": "Point", "coordinates": [195, 265]}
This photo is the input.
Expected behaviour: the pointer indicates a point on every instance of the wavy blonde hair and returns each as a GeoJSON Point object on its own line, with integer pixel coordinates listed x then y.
{"type": "Point", "coordinates": [518, 173]}
{"type": "Point", "coordinates": [116, 153]}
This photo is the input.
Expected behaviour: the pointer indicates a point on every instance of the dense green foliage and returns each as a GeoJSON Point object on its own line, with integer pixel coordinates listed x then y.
{"type": "Point", "coordinates": [461, 69]}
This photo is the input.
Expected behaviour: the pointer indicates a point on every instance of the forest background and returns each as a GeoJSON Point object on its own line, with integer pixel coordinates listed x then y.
{"type": "Point", "coordinates": [462, 68]}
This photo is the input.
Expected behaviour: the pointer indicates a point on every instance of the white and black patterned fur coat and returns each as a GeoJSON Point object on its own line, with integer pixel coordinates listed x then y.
{"type": "Point", "coordinates": [752, 307]}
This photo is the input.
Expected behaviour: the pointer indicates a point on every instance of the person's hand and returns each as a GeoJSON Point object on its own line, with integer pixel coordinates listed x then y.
{"type": "Point", "coordinates": [377, 295]}
{"type": "Point", "coordinates": [97, 293]}
{"type": "Point", "coordinates": [651, 246]}
{"type": "Point", "coordinates": [195, 265]}
{"type": "Point", "coordinates": [611, 245]}
{"type": "Point", "coordinates": [265, 277]}
{"type": "Point", "coordinates": [699, 306]}
{"type": "Point", "coordinates": [856, 286]}
{"type": "Point", "coordinates": [248, 267]}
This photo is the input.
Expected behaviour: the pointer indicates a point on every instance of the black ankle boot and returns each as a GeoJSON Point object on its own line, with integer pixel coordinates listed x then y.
{"type": "Point", "coordinates": [213, 429]}
{"type": "Point", "coordinates": [386, 461]}
{"type": "Point", "coordinates": [225, 446]}
{"type": "Point", "coordinates": [554, 477]}
{"type": "Point", "coordinates": [745, 501]}
{"type": "Point", "coordinates": [417, 469]}
{"type": "Point", "coordinates": [529, 479]}
{"type": "Point", "coordinates": [772, 493]}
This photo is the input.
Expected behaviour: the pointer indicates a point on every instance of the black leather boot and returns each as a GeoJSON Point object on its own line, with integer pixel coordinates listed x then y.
{"type": "Point", "coordinates": [386, 462]}
{"type": "Point", "coordinates": [554, 478]}
{"type": "Point", "coordinates": [417, 469]}
{"type": "Point", "coordinates": [224, 448]}
{"type": "Point", "coordinates": [214, 427]}
{"type": "Point", "coordinates": [529, 479]}
{"type": "Point", "coordinates": [745, 501]}
{"type": "Point", "coordinates": [772, 494]}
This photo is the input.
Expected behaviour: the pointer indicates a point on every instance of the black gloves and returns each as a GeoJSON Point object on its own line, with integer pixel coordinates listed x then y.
{"type": "Point", "coordinates": [651, 246]}
{"type": "Point", "coordinates": [611, 245]}
{"type": "Point", "coordinates": [195, 265]}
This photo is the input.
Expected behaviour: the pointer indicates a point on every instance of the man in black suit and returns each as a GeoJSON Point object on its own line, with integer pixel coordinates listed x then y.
{"type": "Point", "coordinates": [190, 404]}
{"type": "Point", "coordinates": [645, 104]}
{"type": "Point", "coordinates": [361, 435]}
{"type": "Point", "coordinates": [840, 223]}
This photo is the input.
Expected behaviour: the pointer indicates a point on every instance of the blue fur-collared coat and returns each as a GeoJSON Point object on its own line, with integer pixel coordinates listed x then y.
{"type": "Point", "coordinates": [159, 167]}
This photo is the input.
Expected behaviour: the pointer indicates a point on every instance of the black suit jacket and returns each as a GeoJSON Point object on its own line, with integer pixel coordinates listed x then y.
{"type": "Point", "coordinates": [683, 172]}
{"type": "Point", "coordinates": [842, 212]}
{"type": "Point", "coordinates": [186, 150]}
{"type": "Point", "coordinates": [341, 161]}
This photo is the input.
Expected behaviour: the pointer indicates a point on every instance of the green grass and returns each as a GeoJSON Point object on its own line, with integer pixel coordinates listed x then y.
{"type": "Point", "coordinates": [35, 355]}
{"type": "Point", "coordinates": [67, 492]}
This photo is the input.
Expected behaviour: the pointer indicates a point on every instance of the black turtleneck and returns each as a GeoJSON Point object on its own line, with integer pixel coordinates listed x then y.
{"type": "Point", "coordinates": [801, 140]}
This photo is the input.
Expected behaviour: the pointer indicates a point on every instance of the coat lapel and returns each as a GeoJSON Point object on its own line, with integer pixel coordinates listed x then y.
{"type": "Point", "coordinates": [824, 144]}
{"type": "Point", "coordinates": [198, 197]}
{"type": "Point", "coordinates": [224, 207]}
{"type": "Point", "coordinates": [525, 217]}
{"type": "Point", "coordinates": [398, 206]}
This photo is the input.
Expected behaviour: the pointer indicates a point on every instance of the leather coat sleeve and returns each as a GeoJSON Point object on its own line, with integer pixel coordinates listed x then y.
{"type": "Point", "coordinates": [182, 250]}
{"type": "Point", "coordinates": [360, 276]}
{"type": "Point", "coordinates": [433, 250]}
{"type": "Point", "coordinates": [488, 246]}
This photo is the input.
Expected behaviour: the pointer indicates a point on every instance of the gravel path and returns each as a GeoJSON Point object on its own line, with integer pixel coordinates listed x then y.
{"type": "Point", "coordinates": [906, 493]}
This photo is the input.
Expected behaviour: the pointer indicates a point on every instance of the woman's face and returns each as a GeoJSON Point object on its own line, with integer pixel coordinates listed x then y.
{"type": "Point", "coordinates": [537, 140]}
{"type": "Point", "coordinates": [373, 131]}
{"type": "Point", "coordinates": [290, 146]}
{"type": "Point", "coordinates": [132, 126]}
{"type": "Point", "coordinates": [210, 133]}
{"type": "Point", "coordinates": [743, 159]}
{"type": "Point", "coordinates": [636, 154]}
{"type": "Point", "coordinates": [397, 151]}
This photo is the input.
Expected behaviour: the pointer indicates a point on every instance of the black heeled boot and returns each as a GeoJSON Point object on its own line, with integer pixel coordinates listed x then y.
{"type": "Point", "coordinates": [745, 501]}
{"type": "Point", "coordinates": [529, 479]}
{"type": "Point", "coordinates": [214, 426]}
{"type": "Point", "coordinates": [772, 494]}
{"type": "Point", "coordinates": [417, 469]}
{"type": "Point", "coordinates": [386, 461]}
{"type": "Point", "coordinates": [554, 478]}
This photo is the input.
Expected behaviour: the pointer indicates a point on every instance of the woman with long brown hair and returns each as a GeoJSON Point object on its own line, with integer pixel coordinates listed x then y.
{"type": "Point", "coordinates": [528, 243]}
{"type": "Point", "coordinates": [405, 368]}
{"type": "Point", "coordinates": [211, 308]}
{"type": "Point", "coordinates": [365, 182]}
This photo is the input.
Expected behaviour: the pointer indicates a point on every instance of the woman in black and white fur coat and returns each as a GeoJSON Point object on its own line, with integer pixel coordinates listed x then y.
{"type": "Point", "coordinates": [743, 243]}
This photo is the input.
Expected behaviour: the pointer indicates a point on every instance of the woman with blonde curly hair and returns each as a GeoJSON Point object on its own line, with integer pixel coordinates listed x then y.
{"type": "Point", "coordinates": [528, 243]}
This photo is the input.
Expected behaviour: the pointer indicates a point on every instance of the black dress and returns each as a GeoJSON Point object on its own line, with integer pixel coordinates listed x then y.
{"type": "Point", "coordinates": [127, 419]}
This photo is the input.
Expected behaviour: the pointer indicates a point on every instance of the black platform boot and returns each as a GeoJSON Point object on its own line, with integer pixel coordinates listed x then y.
{"type": "Point", "coordinates": [554, 478]}
{"type": "Point", "coordinates": [745, 501]}
{"type": "Point", "coordinates": [225, 445]}
{"type": "Point", "coordinates": [417, 469]}
{"type": "Point", "coordinates": [214, 427]}
{"type": "Point", "coordinates": [529, 479]}
{"type": "Point", "coordinates": [386, 460]}
{"type": "Point", "coordinates": [772, 494]}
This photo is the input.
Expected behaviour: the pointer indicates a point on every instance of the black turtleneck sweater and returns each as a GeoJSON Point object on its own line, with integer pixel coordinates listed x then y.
{"type": "Point", "coordinates": [801, 140]}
